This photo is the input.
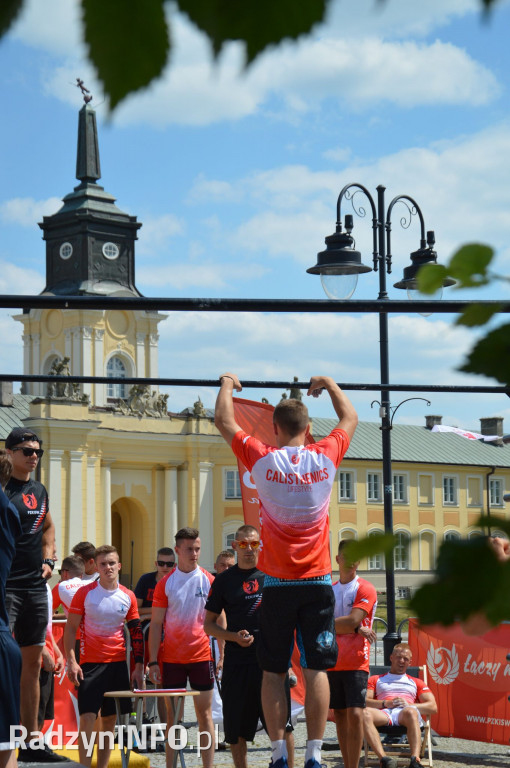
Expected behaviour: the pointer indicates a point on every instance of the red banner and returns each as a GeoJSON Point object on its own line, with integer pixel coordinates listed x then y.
{"type": "Point", "coordinates": [470, 678]}
{"type": "Point", "coordinates": [256, 419]}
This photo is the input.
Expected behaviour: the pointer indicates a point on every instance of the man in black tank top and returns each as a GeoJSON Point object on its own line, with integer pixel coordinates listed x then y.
{"type": "Point", "coordinates": [26, 595]}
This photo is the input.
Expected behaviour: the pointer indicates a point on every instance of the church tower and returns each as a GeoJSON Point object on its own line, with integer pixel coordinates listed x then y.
{"type": "Point", "coordinates": [90, 251]}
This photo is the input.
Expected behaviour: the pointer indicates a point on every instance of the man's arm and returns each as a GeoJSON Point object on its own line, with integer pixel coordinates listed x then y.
{"type": "Point", "coordinates": [74, 671]}
{"type": "Point", "coordinates": [212, 627]}
{"type": "Point", "coordinates": [48, 544]}
{"type": "Point", "coordinates": [344, 409]}
{"type": "Point", "coordinates": [344, 625]}
{"type": "Point", "coordinates": [144, 613]}
{"type": "Point", "coordinates": [156, 625]}
{"type": "Point", "coordinates": [224, 411]}
{"type": "Point", "coordinates": [427, 704]}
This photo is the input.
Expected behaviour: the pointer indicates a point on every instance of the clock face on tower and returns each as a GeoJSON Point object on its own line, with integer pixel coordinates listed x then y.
{"type": "Point", "coordinates": [110, 251]}
{"type": "Point", "coordinates": [66, 251]}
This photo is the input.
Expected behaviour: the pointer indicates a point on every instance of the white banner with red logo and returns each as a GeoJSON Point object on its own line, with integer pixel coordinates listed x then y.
{"type": "Point", "coordinates": [470, 678]}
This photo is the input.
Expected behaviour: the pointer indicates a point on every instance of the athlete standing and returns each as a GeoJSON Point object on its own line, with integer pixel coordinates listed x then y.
{"type": "Point", "coordinates": [294, 484]}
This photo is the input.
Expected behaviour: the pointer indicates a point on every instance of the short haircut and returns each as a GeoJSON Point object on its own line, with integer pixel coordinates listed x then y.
{"type": "Point", "coordinates": [167, 551]}
{"type": "Point", "coordinates": [246, 530]}
{"type": "Point", "coordinates": [402, 647]}
{"type": "Point", "coordinates": [292, 416]}
{"type": "Point", "coordinates": [84, 549]}
{"type": "Point", "coordinates": [186, 533]}
{"type": "Point", "coordinates": [106, 549]}
{"type": "Point", "coordinates": [5, 467]}
{"type": "Point", "coordinates": [226, 553]}
{"type": "Point", "coordinates": [74, 564]}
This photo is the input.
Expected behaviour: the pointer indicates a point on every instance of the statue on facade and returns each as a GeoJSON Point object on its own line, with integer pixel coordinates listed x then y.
{"type": "Point", "coordinates": [198, 408]}
{"type": "Point", "coordinates": [142, 402]}
{"type": "Point", "coordinates": [62, 390]}
{"type": "Point", "coordinates": [294, 392]}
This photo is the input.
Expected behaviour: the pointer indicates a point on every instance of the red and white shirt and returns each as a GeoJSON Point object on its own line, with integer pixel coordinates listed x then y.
{"type": "Point", "coordinates": [184, 596]}
{"type": "Point", "coordinates": [389, 686]}
{"type": "Point", "coordinates": [104, 613]}
{"type": "Point", "coordinates": [294, 486]}
{"type": "Point", "coordinates": [354, 649]}
{"type": "Point", "coordinates": [64, 591]}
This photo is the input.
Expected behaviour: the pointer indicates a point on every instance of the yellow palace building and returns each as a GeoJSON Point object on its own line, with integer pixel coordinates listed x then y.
{"type": "Point", "coordinates": [121, 469]}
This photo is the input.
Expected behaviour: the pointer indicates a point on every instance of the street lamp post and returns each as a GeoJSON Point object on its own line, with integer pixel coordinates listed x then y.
{"type": "Point", "coordinates": [339, 266]}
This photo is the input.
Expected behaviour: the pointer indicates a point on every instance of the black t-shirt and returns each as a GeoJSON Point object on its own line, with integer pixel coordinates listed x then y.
{"type": "Point", "coordinates": [10, 528]}
{"type": "Point", "coordinates": [31, 501]}
{"type": "Point", "coordinates": [239, 593]}
{"type": "Point", "coordinates": [145, 587]}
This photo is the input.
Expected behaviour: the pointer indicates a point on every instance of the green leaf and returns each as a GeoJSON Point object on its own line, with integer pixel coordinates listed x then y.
{"type": "Point", "coordinates": [430, 277]}
{"type": "Point", "coordinates": [369, 546]}
{"type": "Point", "coordinates": [128, 43]}
{"type": "Point", "coordinates": [469, 579]}
{"type": "Point", "coordinates": [491, 356]}
{"type": "Point", "coordinates": [477, 314]}
{"type": "Point", "coordinates": [258, 22]}
{"type": "Point", "coordinates": [9, 10]}
{"type": "Point", "coordinates": [469, 265]}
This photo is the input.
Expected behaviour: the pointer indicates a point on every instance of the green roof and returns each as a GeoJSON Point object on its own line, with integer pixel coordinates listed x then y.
{"type": "Point", "coordinates": [14, 415]}
{"type": "Point", "coordinates": [412, 444]}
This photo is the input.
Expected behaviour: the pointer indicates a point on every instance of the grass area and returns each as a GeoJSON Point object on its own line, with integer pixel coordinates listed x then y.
{"type": "Point", "coordinates": [402, 610]}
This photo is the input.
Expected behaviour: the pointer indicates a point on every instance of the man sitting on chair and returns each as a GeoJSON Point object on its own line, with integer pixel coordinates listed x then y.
{"type": "Point", "coordinates": [397, 699]}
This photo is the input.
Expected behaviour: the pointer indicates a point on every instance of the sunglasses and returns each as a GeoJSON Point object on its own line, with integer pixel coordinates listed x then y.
{"type": "Point", "coordinates": [39, 452]}
{"type": "Point", "coordinates": [165, 563]}
{"type": "Point", "coordinates": [246, 544]}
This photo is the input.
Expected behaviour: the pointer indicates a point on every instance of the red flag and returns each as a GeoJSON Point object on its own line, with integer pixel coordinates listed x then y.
{"type": "Point", "coordinates": [256, 419]}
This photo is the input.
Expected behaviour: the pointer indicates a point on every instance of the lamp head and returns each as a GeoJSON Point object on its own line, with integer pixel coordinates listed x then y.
{"type": "Point", "coordinates": [424, 255]}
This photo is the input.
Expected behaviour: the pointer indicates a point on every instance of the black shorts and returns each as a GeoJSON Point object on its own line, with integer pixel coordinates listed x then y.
{"type": "Point", "coordinates": [46, 696]}
{"type": "Point", "coordinates": [306, 609]}
{"type": "Point", "coordinates": [242, 706]}
{"type": "Point", "coordinates": [97, 680]}
{"type": "Point", "coordinates": [199, 673]}
{"type": "Point", "coordinates": [347, 688]}
{"type": "Point", "coordinates": [10, 674]}
{"type": "Point", "coordinates": [28, 615]}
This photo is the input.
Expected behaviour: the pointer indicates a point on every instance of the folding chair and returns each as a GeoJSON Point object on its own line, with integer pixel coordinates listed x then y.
{"type": "Point", "coordinates": [399, 749]}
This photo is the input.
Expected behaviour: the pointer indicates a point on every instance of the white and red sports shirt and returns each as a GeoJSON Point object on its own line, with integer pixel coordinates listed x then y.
{"type": "Point", "coordinates": [294, 486]}
{"type": "Point", "coordinates": [354, 649]}
{"type": "Point", "coordinates": [104, 612]}
{"type": "Point", "coordinates": [64, 591]}
{"type": "Point", "coordinates": [389, 686]}
{"type": "Point", "coordinates": [184, 596]}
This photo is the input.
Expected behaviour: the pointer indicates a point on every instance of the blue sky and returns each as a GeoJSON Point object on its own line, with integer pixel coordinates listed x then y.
{"type": "Point", "coordinates": [235, 176]}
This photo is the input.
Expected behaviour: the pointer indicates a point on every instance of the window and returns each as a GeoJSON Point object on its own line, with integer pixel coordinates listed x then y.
{"type": "Point", "coordinates": [400, 488]}
{"type": "Point", "coordinates": [401, 551]}
{"type": "Point", "coordinates": [373, 487]}
{"type": "Point", "coordinates": [474, 491]}
{"type": "Point", "coordinates": [496, 493]}
{"type": "Point", "coordinates": [110, 251]}
{"type": "Point", "coordinates": [115, 368]}
{"type": "Point", "coordinates": [451, 536]}
{"type": "Point", "coordinates": [376, 562]}
{"type": "Point", "coordinates": [346, 486]}
{"type": "Point", "coordinates": [450, 490]}
{"type": "Point", "coordinates": [232, 484]}
{"type": "Point", "coordinates": [425, 489]}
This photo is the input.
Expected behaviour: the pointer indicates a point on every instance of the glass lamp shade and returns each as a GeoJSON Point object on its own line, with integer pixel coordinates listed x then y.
{"type": "Point", "coordinates": [414, 295]}
{"type": "Point", "coordinates": [338, 287]}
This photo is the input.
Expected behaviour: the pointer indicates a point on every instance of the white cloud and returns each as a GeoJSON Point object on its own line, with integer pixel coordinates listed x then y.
{"type": "Point", "coordinates": [157, 231]}
{"type": "Point", "coordinates": [26, 211]}
{"type": "Point", "coordinates": [17, 280]}
{"type": "Point", "coordinates": [198, 275]}
{"type": "Point", "coordinates": [53, 26]}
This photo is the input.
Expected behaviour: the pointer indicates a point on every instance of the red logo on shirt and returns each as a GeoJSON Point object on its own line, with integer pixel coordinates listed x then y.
{"type": "Point", "coordinates": [251, 586]}
{"type": "Point", "coordinates": [29, 501]}
{"type": "Point", "coordinates": [295, 459]}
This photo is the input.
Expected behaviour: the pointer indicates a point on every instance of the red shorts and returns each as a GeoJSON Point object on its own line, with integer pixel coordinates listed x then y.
{"type": "Point", "coordinates": [200, 675]}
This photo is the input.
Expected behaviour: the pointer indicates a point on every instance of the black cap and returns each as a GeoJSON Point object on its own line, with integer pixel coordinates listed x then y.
{"type": "Point", "coordinates": [20, 435]}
